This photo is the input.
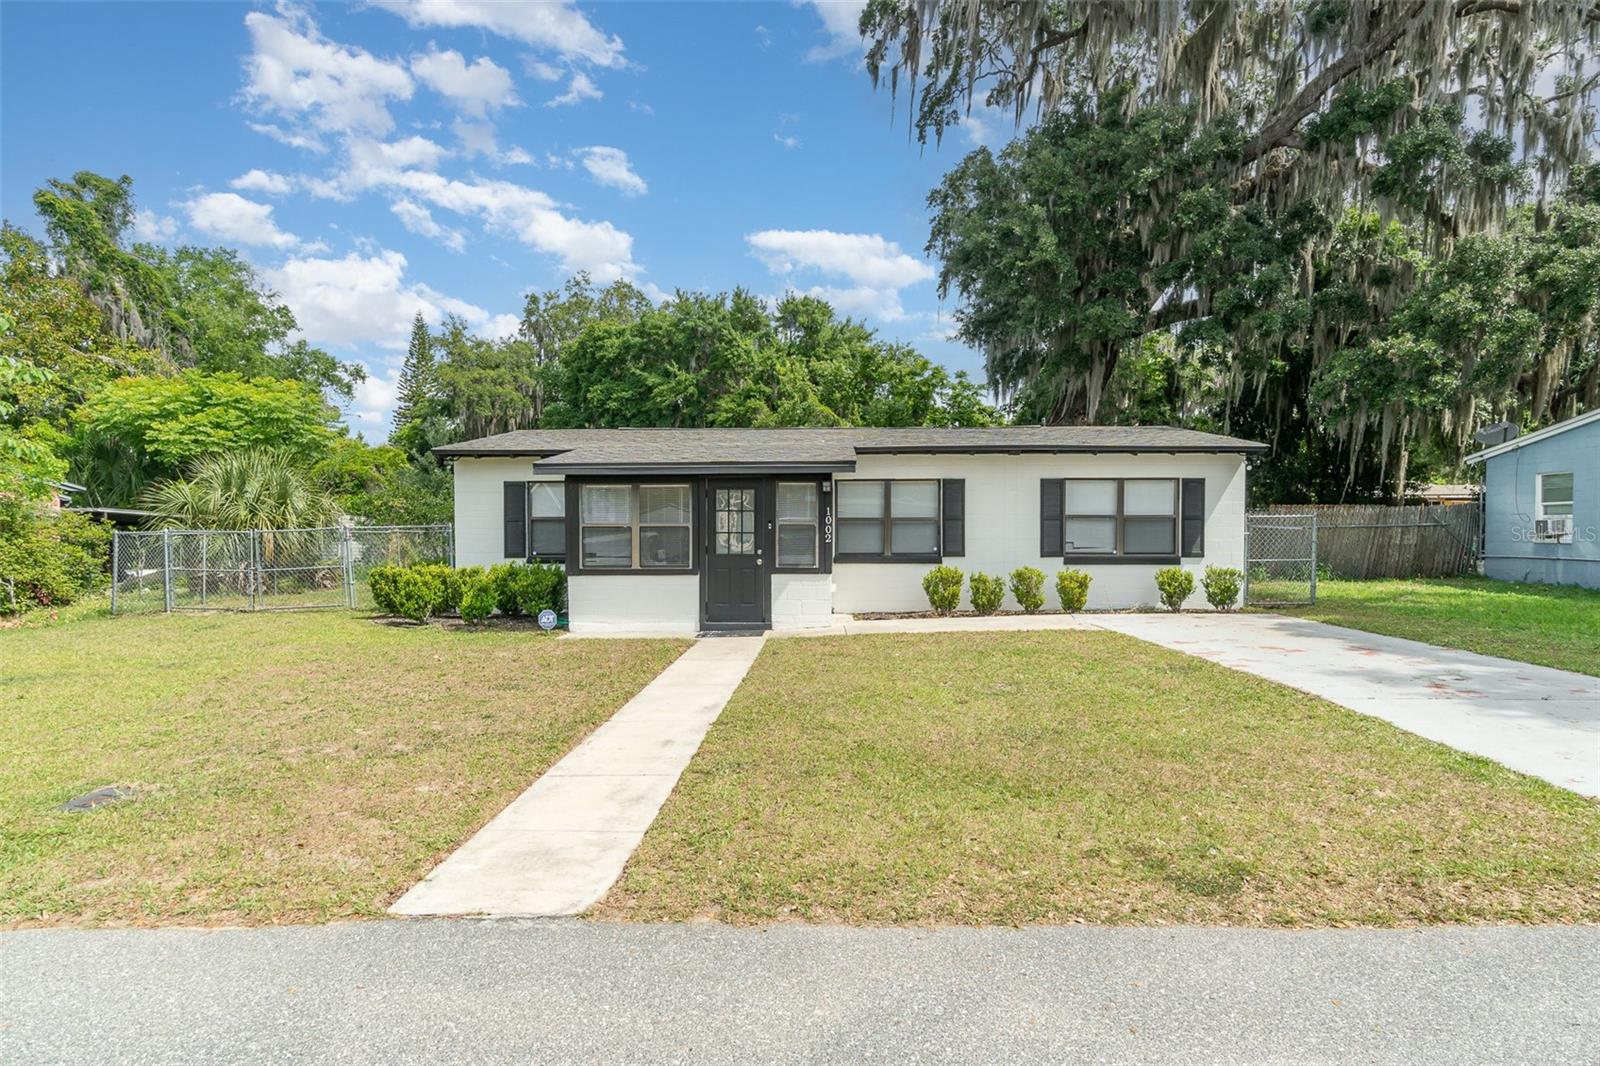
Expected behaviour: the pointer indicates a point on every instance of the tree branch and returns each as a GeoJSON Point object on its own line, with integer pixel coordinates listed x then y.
{"type": "Point", "coordinates": [1310, 96]}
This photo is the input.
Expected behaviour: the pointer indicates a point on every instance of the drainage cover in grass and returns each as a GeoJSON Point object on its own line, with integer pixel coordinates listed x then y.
{"type": "Point", "coordinates": [90, 800]}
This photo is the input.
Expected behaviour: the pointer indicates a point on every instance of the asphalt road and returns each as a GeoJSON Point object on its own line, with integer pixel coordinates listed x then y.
{"type": "Point", "coordinates": [574, 991]}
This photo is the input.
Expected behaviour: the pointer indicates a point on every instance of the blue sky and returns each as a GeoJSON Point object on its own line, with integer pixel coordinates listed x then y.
{"type": "Point", "coordinates": [451, 155]}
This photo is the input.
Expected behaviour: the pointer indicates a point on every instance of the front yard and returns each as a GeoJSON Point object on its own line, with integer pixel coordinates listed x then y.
{"type": "Point", "coordinates": [290, 767]}
{"type": "Point", "coordinates": [1075, 776]}
{"type": "Point", "coordinates": [1549, 625]}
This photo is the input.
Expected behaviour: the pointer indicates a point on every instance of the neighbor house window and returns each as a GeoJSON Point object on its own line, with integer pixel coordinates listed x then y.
{"type": "Point", "coordinates": [797, 523]}
{"type": "Point", "coordinates": [1555, 502]}
{"type": "Point", "coordinates": [888, 519]}
{"type": "Point", "coordinates": [547, 520]}
{"type": "Point", "coordinates": [1555, 495]}
{"type": "Point", "coordinates": [625, 527]}
{"type": "Point", "coordinates": [1134, 517]}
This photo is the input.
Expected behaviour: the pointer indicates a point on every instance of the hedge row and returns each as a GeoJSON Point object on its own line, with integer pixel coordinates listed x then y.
{"type": "Point", "coordinates": [1174, 584]}
{"type": "Point", "coordinates": [420, 591]}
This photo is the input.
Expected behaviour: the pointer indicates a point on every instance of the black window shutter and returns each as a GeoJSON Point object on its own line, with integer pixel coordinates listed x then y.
{"type": "Point", "coordinates": [955, 516]}
{"type": "Point", "coordinates": [1050, 542]}
{"type": "Point", "coordinates": [1193, 508]}
{"type": "Point", "coordinates": [516, 546]}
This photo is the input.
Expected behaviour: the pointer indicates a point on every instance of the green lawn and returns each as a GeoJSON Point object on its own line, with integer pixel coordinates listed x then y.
{"type": "Point", "coordinates": [1085, 776]}
{"type": "Point", "coordinates": [1551, 625]}
{"type": "Point", "coordinates": [290, 766]}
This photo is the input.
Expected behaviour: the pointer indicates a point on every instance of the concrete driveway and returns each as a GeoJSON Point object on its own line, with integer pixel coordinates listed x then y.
{"type": "Point", "coordinates": [519, 991]}
{"type": "Point", "coordinates": [1540, 721]}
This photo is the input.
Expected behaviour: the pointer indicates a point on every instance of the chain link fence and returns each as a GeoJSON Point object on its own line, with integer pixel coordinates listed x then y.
{"type": "Point", "coordinates": [1280, 559]}
{"type": "Point", "coordinates": [263, 570]}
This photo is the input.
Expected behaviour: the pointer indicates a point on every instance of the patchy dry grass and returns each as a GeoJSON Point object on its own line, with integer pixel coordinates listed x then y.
{"type": "Point", "coordinates": [290, 767]}
{"type": "Point", "coordinates": [1086, 776]}
{"type": "Point", "coordinates": [1551, 625]}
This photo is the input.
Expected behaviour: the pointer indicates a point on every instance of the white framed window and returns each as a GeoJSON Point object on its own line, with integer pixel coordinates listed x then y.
{"type": "Point", "coordinates": [798, 519]}
{"type": "Point", "coordinates": [627, 527]}
{"type": "Point", "coordinates": [664, 527]}
{"type": "Point", "coordinates": [1127, 517]}
{"type": "Point", "coordinates": [547, 520]}
{"type": "Point", "coordinates": [1553, 506]}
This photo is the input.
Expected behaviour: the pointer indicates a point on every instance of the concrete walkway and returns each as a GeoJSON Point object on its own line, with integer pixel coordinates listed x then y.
{"type": "Point", "coordinates": [559, 846]}
{"type": "Point", "coordinates": [515, 991]}
{"type": "Point", "coordinates": [1534, 719]}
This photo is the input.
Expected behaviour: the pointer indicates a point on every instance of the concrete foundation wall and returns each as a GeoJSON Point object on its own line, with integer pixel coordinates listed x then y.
{"type": "Point", "coordinates": [667, 604]}
{"type": "Point", "coordinates": [802, 601]}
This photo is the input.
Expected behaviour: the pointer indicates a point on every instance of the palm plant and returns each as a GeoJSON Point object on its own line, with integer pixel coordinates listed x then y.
{"type": "Point", "coordinates": [249, 489]}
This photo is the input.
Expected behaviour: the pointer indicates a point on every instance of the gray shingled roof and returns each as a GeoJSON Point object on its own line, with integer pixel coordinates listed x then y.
{"type": "Point", "coordinates": [595, 449]}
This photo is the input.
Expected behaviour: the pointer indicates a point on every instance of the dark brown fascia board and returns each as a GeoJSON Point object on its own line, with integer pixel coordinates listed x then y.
{"type": "Point", "coordinates": [1243, 448]}
{"type": "Point", "coordinates": [728, 468]}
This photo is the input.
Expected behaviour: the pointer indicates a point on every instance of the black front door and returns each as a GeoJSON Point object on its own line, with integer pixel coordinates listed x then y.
{"type": "Point", "coordinates": [737, 586]}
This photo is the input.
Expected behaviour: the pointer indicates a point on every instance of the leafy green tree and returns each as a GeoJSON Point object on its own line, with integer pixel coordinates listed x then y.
{"type": "Point", "coordinates": [226, 320]}
{"type": "Point", "coordinates": [138, 430]}
{"type": "Point", "coordinates": [55, 329]}
{"type": "Point", "coordinates": [553, 319]}
{"type": "Point", "coordinates": [249, 488]}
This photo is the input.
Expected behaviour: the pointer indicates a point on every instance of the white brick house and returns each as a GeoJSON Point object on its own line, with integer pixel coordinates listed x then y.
{"type": "Point", "coordinates": [679, 531]}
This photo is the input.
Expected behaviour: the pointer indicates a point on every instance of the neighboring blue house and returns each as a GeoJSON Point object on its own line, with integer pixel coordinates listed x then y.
{"type": "Point", "coordinates": [1541, 505]}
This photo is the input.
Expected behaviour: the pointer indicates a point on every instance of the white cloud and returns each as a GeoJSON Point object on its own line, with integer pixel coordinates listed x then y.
{"type": "Point", "coordinates": [537, 68]}
{"type": "Point", "coordinates": [419, 220]}
{"type": "Point", "coordinates": [477, 138]}
{"type": "Point", "coordinates": [415, 151]}
{"type": "Point", "coordinates": [787, 140]}
{"type": "Point", "coordinates": [559, 27]}
{"type": "Point", "coordinates": [262, 181]}
{"type": "Point", "coordinates": [152, 228]}
{"type": "Point", "coordinates": [230, 217]}
{"type": "Point", "coordinates": [640, 107]}
{"type": "Point", "coordinates": [296, 72]}
{"type": "Point", "coordinates": [516, 156]}
{"type": "Point", "coordinates": [875, 269]}
{"type": "Point", "coordinates": [864, 258]}
{"type": "Point", "coordinates": [610, 166]}
{"type": "Point", "coordinates": [763, 37]}
{"type": "Point", "coordinates": [304, 141]}
{"type": "Point", "coordinates": [376, 398]}
{"type": "Point", "coordinates": [579, 89]}
{"type": "Point", "coordinates": [365, 299]}
{"type": "Point", "coordinates": [525, 214]}
{"type": "Point", "coordinates": [474, 88]}
{"type": "Point", "coordinates": [841, 20]}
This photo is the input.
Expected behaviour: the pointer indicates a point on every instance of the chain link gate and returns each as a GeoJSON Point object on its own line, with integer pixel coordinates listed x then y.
{"type": "Point", "coordinates": [263, 570]}
{"type": "Point", "coordinates": [1280, 553]}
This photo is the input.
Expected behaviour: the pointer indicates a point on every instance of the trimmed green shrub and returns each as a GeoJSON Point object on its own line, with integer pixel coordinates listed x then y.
{"type": "Point", "coordinates": [447, 580]}
{"type": "Point", "coordinates": [1175, 585]}
{"type": "Point", "coordinates": [1027, 588]}
{"type": "Point", "coordinates": [381, 580]}
{"type": "Point", "coordinates": [414, 592]}
{"type": "Point", "coordinates": [943, 586]}
{"type": "Point", "coordinates": [525, 589]}
{"type": "Point", "coordinates": [1072, 586]}
{"type": "Point", "coordinates": [987, 592]}
{"type": "Point", "coordinates": [1222, 586]}
{"type": "Point", "coordinates": [478, 596]}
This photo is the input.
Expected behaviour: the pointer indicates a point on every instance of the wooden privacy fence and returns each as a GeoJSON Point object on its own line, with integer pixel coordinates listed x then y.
{"type": "Point", "coordinates": [1367, 540]}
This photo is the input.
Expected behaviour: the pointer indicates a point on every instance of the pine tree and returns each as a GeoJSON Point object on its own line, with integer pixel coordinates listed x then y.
{"type": "Point", "coordinates": [416, 385]}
